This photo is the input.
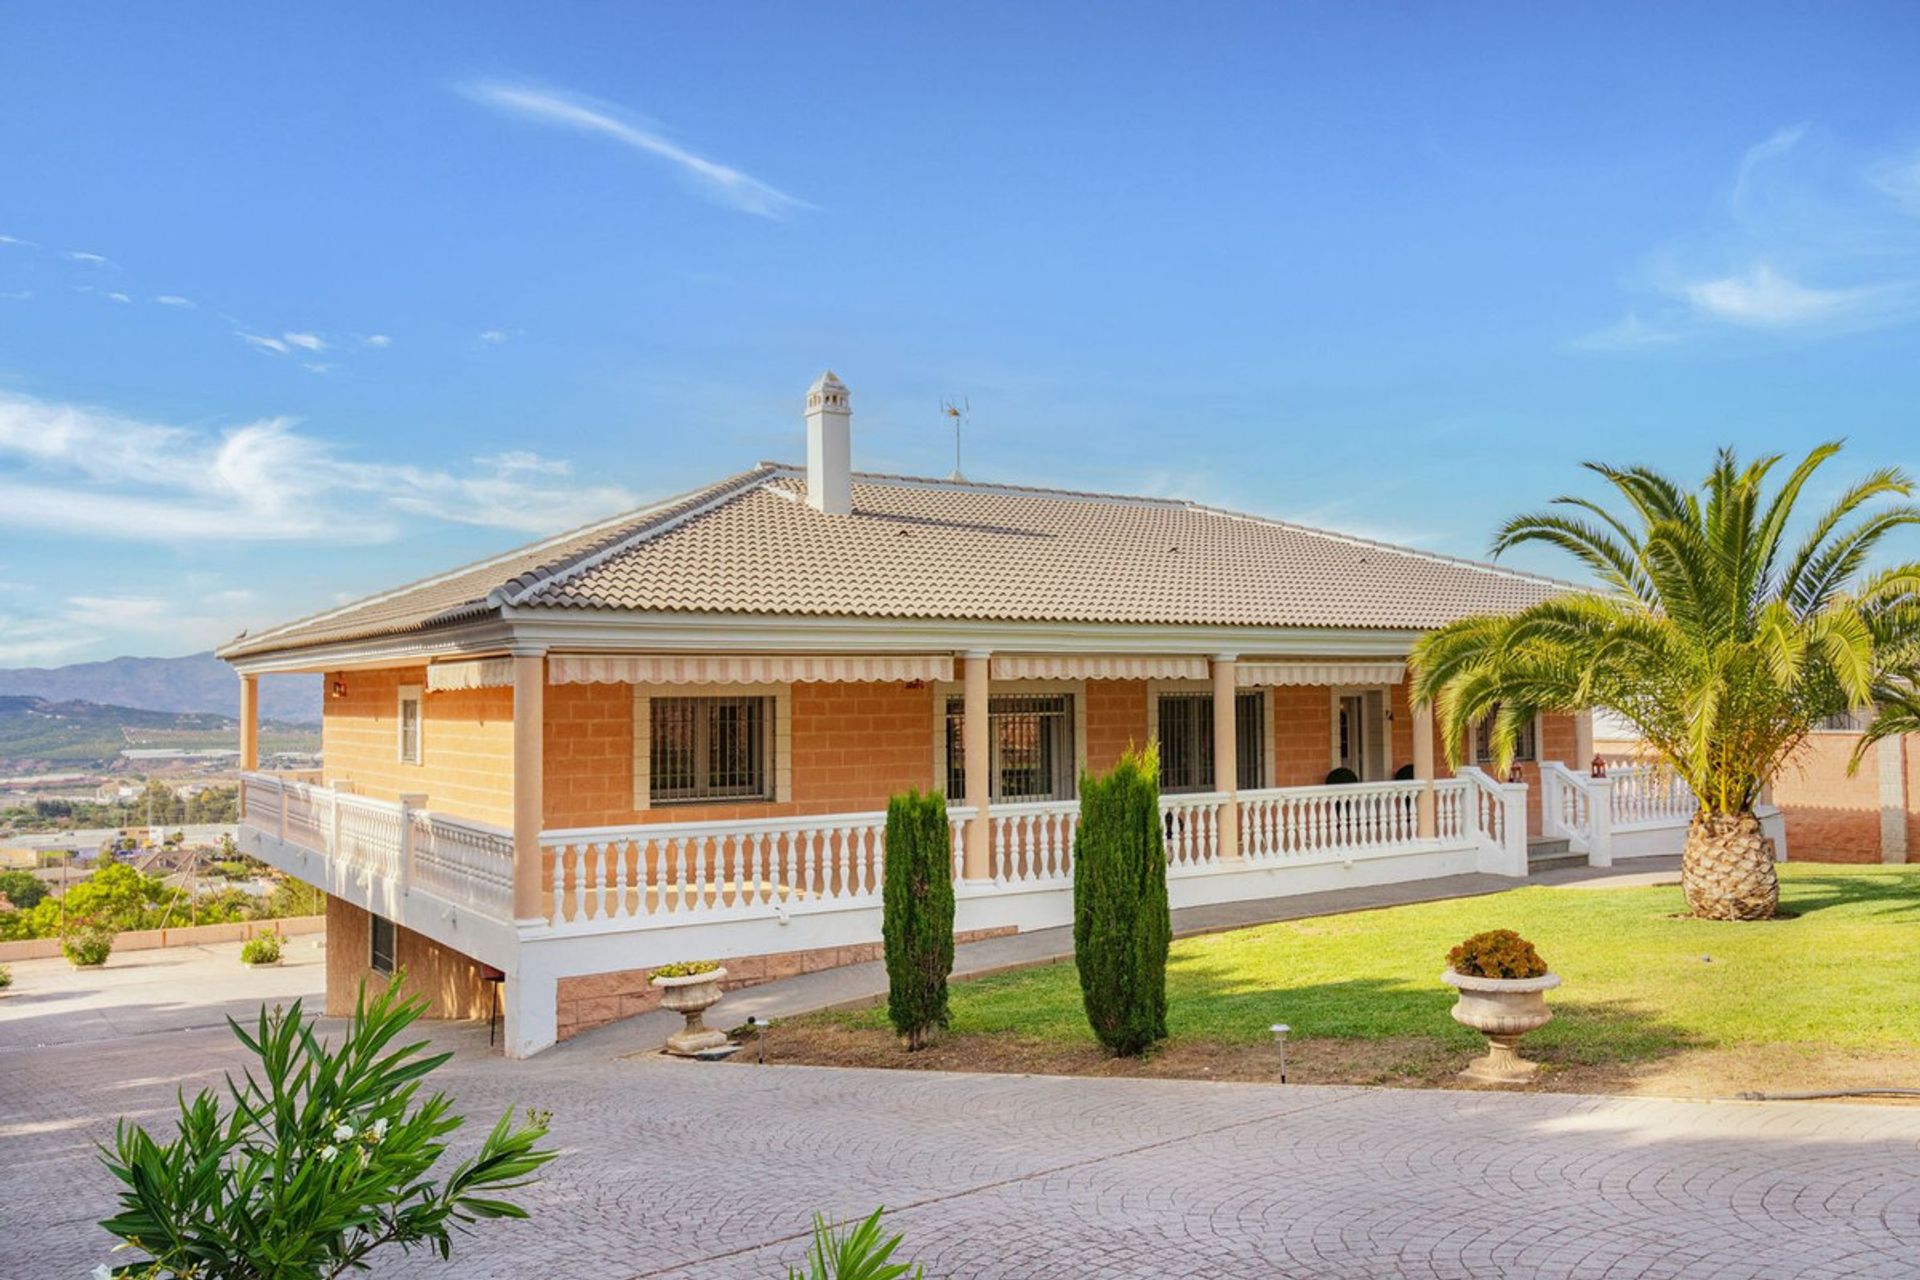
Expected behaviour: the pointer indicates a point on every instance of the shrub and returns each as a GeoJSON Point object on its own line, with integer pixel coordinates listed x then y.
{"type": "Point", "coordinates": [322, 1158]}
{"type": "Point", "coordinates": [684, 969]}
{"type": "Point", "coordinates": [1121, 929]}
{"type": "Point", "coordinates": [917, 922]}
{"type": "Point", "coordinates": [22, 888]}
{"type": "Point", "coordinates": [860, 1253]}
{"type": "Point", "coordinates": [265, 949]}
{"type": "Point", "coordinates": [1497, 953]}
{"type": "Point", "coordinates": [87, 944]}
{"type": "Point", "coordinates": [6, 977]}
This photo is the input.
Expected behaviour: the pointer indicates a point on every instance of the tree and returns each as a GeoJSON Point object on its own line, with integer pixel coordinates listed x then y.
{"type": "Point", "coordinates": [1718, 634]}
{"type": "Point", "coordinates": [1121, 927]}
{"type": "Point", "coordinates": [22, 888]}
{"type": "Point", "coordinates": [917, 921]}
{"type": "Point", "coordinates": [321, 1161]}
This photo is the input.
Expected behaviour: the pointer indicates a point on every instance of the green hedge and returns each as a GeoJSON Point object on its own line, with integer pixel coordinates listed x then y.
{"type": "Point", "coordinates": [918, 918]}
{"type": "Point", "coordinates": [1121, 927]}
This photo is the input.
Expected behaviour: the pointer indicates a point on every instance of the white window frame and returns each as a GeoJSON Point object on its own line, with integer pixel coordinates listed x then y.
{"type": "Point", "coordinates": [643, 696]}
{"type": "Point", "coordinates": [415, 694]}
{"type": "Point", "coordinates": [943, 690]}
{"type": "Point", "coordinates": [1334, 694]}
{"type": "Point", "coordinates": [1269, 748]}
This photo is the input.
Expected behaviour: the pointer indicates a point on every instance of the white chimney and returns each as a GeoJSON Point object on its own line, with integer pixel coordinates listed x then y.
{"type": "Point", "coordinates": [829, 446]}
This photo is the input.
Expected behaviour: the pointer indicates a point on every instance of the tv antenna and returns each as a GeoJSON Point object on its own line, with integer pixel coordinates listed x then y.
{"type": "Point", "coordinates": [958, 412]}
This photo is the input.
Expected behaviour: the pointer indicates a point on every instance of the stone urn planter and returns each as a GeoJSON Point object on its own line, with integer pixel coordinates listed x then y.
{"type": "Point", "coordinates": [690, 996]}
{"type": "Point", "coordinates": [1503, 1010]}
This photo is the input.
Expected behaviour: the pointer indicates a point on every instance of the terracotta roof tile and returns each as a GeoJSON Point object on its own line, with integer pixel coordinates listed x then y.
{"type": "Point", "coordinates": [927, 549]}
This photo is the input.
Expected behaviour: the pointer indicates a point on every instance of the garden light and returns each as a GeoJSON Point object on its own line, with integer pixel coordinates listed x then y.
{"type": "Point", "coordinates": [1280, 1030]}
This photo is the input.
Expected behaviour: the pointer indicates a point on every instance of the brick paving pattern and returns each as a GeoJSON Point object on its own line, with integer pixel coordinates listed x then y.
{"type": "Point", "coordinates": [690, 1170]}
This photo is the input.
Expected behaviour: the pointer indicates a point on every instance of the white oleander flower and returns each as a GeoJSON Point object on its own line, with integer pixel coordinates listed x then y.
{"type": "Point", "coordinates": [328, 1152]}
{"type": "Point", "coordinates": [379, 1129]}
{"type": "Point", "coordinates": [343, 1133]}
{"type": "Point", "coordinates": [101, 1272]}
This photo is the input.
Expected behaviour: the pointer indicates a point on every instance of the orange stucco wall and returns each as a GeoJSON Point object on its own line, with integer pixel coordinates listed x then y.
{"type": "Point", "coordinates": [853, 745]}
{"type": "Point", "coordinates": [466, 759]}
{"type": "Point", "coordinates": [450, 982]}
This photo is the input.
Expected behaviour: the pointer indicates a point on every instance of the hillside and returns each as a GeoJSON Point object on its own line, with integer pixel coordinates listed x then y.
{"type": "Point", "coordinates": [198, 682]}
{"type": "Point", "coordinates": [36, 733]}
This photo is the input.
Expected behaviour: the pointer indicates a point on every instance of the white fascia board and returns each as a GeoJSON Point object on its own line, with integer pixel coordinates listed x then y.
{"type": "Point", "coordinates": [486, 636]}
{"type": "Point", "coordinates": [610, 630]}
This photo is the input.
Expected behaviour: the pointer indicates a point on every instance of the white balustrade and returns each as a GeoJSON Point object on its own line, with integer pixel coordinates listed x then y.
{"type": "Point", "coordinates": [668, 870]}
{"type": "Point", "coordinates": [1566, 803]}
{"type": "Point", "coordinates": [1190, 822]}
{"type": "Point", "coordinates": [1649, 796]}
{"type": "Point", "coordinates": [1033, 841]}
{"type": "Point", "coordinates": [1354, 820]}
{"type": "Point", "coordinates": [466, 863]}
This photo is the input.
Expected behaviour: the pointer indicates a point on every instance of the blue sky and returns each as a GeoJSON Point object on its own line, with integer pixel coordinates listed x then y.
{"type": "Point", "coordinates": [300, 302]}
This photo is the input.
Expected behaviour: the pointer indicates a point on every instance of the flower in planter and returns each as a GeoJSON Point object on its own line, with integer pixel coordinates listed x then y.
{"type": "Point", "coordinates": [1497, 953]}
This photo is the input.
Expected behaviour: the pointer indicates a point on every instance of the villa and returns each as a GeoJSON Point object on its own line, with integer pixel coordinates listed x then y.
{"type": "Point", "coordinates": [672, 735]}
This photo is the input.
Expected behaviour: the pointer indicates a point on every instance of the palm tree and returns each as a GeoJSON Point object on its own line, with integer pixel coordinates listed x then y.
{"type": "Point", "coordinates": [1723, 642]}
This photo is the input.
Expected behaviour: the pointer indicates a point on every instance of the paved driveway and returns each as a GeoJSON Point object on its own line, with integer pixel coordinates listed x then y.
{"type": "Point", "coordinates": [698, 1170]}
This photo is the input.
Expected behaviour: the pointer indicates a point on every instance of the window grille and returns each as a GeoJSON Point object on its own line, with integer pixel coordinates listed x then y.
{"type": "Point", "coordinates": [711, 749]}
{"type": "Point", "coordinates": [1029, 741]}
{"type": "Point", "coordinates": [1186, 741]}
{"type": "Point", "coordinates": [1526, 743]}
{"type": "Point", "coordinates": [1846, 722]}
{"type": "Point", "coordinates": [380, 944]}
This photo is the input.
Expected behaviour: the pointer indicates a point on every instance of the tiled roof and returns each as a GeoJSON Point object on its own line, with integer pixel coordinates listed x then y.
{"type": "Point", "coordinates": [930, 549]}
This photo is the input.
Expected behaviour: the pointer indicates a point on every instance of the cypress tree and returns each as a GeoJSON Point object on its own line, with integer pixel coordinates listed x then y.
{"type": "Point", "coordinates": [917, 922]}
{"type": "Point", "coordinates": [1121, 928]}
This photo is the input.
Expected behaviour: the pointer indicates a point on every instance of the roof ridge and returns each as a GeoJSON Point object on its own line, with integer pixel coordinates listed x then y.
{"type": "Point", "coordinates": [674, 513]}
{"type": "Point", "coordinates": [611, 522]}
{"type": "Point", "coordinates": [989, 486]}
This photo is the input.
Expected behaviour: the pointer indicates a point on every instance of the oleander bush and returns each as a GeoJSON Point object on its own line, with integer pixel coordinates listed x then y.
{"type": "Point", "coordinates": [854, 1253]}
{"type": "Point", "coordinates": [917, 920]}
{"type": "Point", "coordinates": [1497, 953]}
{"type": "Point", "coordinates": [1121, 925]}
{"type": "Point", "coordinates": [318, 1158]}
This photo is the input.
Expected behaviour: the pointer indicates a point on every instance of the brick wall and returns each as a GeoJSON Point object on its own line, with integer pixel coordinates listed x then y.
{"type": "Point", "coordinates": [466, 744]}
{"type": "Point", "coordinates": [1116, 720]}
{"type": "Point", "coordinates": [1831, 817]}
{"type": "Point", "coordinates": [450, 981]}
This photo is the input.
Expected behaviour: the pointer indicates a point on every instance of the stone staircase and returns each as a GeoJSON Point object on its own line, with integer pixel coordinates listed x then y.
{"type": "Point", "coordinates": [1551, 855]}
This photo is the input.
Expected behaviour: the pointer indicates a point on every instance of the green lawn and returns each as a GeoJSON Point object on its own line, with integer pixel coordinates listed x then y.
{"type": "Point", "coordinates": [1640, 983]}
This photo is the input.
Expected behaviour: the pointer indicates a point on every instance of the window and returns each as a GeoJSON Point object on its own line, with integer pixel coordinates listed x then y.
{"type": "Point", "coordinates": [1186, 741]}
{"type": "Point", "coordinates": [1526, 743]}
{"type": "Point", "coordinates": [409, 725]}
{"type": "Point", "coordinates": [710, 749]}
{"type": "Point", "coordinates": [1845, 722]}
{"type": "Point", "coordinates": [380, 945]}
{"type": "Point", "coordinates": [1030, 744]}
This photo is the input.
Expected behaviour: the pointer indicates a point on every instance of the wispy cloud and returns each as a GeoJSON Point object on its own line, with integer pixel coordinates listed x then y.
{"type": "Point", "coordinates": [16, 240]}
{"type": "Point", "coordinates": [264, 343]}
{"type": "Point", "coordinates": [376, 340]}
{"type": "Point", "coordinates": [117, 296]}
{"type": "Point", "coordinates": [494, 337]}
{"type": "Point", "coordinates": [718, 182]}
{"type": "Point", "coordinates": [305, 341]}
{"type": "Point", "coordinates": [92, 472]}
{"type": "Point", "coordinates": [173, 300]}
{"type": "Point", "coordinates": [1811, 241]}
{"type": "Point", "coordinates": [91, 259]}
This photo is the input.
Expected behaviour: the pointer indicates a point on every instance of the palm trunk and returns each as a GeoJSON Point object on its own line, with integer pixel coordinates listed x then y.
{"type": "Point", "coordinates": [1726, 870]}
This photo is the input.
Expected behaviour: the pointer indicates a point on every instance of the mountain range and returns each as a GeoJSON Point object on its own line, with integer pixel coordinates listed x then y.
{"type": "Point", "coordinates": [198, 682]}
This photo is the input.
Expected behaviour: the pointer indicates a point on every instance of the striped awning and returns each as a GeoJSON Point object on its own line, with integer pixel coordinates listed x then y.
{"type": "Point", "coordinates": [1048, 666]}
{"type": "Point", "coordinates": [1326, 673]}
{"type": "Point", "coordinates": [748, 669]}
{"type": "Point", "coordinates": [470, 673]}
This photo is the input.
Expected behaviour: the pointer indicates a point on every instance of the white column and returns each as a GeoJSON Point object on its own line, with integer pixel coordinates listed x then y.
{"type": "Point", "coordinates": [1423, 768]}
{"type": "Point", "coordinates": [1226, 747]}
{"type": "Point", "coordinates": [529, 721]}
{"type": "Point", "coordinates": [530, 1005]}
{"type": "Point", "coordinates": [975, 745]}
